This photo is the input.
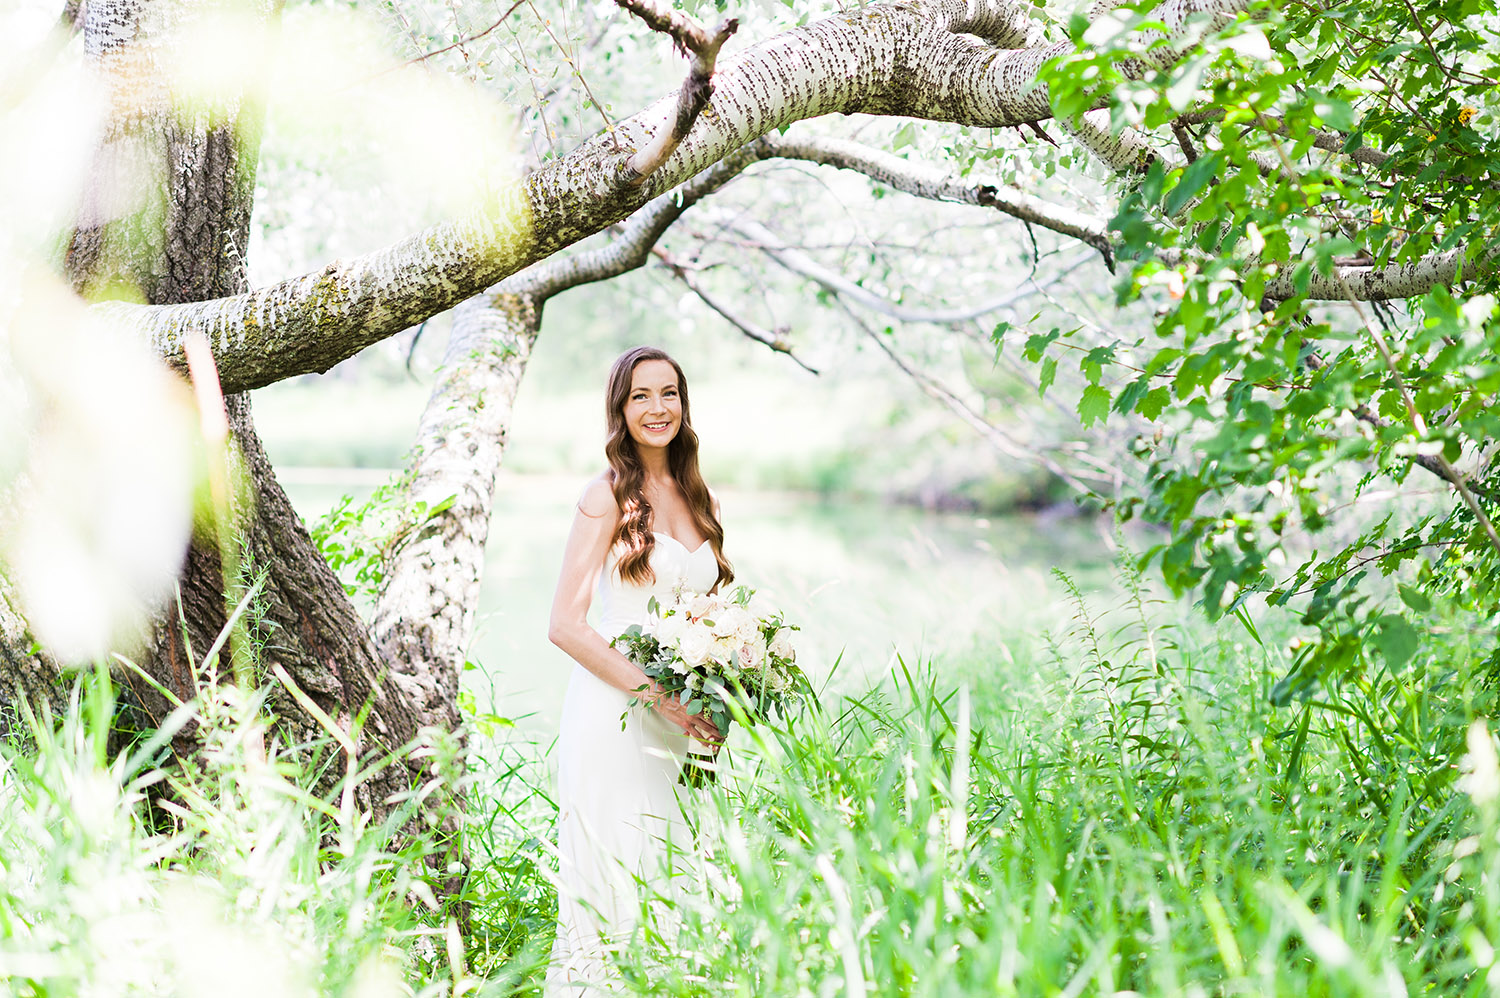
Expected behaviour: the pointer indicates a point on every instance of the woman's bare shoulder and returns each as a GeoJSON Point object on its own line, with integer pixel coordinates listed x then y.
{"type": "Point", "coordinates": [598, 497]}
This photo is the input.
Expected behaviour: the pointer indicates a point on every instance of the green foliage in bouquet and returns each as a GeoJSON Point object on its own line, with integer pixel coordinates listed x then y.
{"type": "Point", "coordinates": [723, 657]}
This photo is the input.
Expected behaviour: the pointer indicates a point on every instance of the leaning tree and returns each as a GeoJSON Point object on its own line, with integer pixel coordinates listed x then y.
{"type": "Point", "coordinates": [1302, 200]}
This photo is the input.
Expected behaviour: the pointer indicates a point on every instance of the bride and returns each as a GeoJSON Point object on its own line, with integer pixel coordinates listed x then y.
{"type": "Point", "coordinates": [646, 526]}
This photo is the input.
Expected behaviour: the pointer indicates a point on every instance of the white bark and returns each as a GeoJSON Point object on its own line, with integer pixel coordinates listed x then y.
{"type": "Point", "coordinates": [1005, 24]}
{"type": "Point", "coordinates": [1397, 280]}
{"type": "Point", "coordinates": [882, 59]}
{"type": "Point", "coordinates": [1126, 152]}
{"type": "Point", "coordinates": [425, 614]}
{"type": "Point", "coordinates": [689, 36]}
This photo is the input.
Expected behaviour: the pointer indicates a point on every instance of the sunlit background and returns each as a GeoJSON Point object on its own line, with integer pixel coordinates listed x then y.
{"type": "Point", "coordinates": [886, 526]}
{"type": "Point", "coordinates": [1085, 787]}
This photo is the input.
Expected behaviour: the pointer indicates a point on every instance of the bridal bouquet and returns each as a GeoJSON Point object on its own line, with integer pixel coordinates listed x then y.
{"type": "Point", "coordinates": [711, 650]}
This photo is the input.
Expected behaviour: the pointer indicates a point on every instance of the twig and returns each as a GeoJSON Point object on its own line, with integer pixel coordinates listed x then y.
{"type": "Point", "coordinates": [462, 41]}
{"type": "Point", "coordinates": [411, 32]}
{"type": "Point", "coordinates": [688, 36]}
{"type": "Point", "coordinates": [770, 244]}
{"type": "Point", "coordinates": [1184, 140]}
{"type": "Point", "coordinates": [992, 434]}
{"type": "Point", "coordinates": [772, 340]}
{"type": "Point", "coordinates": [541, 103]}
{"type": "Point", "coordinates": [1362, 562]}
{"type": "Point", "coordinates": [1422, 28]}
{"type": "Point", "coordinates": [572, 63]}
{"type": "Point", "coordinates": [1444, 467]}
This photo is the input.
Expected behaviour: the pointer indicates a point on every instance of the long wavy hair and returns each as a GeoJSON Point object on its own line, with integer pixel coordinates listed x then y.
{"type": "Point", "coordinates": [628, 476]}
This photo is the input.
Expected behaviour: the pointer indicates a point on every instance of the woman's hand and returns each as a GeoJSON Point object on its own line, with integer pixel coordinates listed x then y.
{"type": "Point", "coordinates": [674, 713]}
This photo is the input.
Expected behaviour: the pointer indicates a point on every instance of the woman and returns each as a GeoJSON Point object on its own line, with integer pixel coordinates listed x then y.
{"type": "Point", "coordinates": [645, 527]}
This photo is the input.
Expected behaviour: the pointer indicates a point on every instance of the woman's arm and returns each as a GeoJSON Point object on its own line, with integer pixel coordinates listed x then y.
{"type": "Point", "coordinates": [583, 560]}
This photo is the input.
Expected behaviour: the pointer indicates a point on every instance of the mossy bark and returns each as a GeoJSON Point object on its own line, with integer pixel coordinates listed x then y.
{"type": "Point", "coordinates": [189, 173]}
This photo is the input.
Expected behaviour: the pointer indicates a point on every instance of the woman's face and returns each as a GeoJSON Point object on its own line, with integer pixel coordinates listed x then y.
{"type": "Point", "coordinates": [653, 409]}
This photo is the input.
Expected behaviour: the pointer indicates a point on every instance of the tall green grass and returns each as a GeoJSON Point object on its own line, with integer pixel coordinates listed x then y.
{"type": "Point", "coordinates": [242, 869]}
{"type": "Point", "coordinates": [1117, 808]}
{"type": "Point", "coordinates": [1126, 815]}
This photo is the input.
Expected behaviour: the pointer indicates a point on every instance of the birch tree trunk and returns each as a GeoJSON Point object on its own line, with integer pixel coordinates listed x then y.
{"type": "Point", "coordinates": [166, 219]}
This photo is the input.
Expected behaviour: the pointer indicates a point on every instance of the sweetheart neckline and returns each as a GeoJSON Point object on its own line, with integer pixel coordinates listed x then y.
{"type": "Point", "coordinates": [684, 547]}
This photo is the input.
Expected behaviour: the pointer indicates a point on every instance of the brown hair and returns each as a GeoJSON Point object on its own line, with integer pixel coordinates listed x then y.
{"type": "Point", "coordinates": [627, 476]}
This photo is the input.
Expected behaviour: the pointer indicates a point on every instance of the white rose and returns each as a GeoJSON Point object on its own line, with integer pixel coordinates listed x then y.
{"type": "Point", "coordinates": [724, 647]}
{"type": "Point", "coordinates": [752, 653]}
{"type": "Point", "coordinates": [733, 620]}
{"type": "Point", "coordinates": [671, 627]}
{"type": "Point", "coordinates": [781, 645]}
{"type": "Point", "coordinates": [694, 645]}
{"type": "Point", "coordinates": [700, 606]}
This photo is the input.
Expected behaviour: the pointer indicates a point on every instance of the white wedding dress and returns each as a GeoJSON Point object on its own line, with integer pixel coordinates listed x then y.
{"type": "Point", "coordinates": [617, 806]}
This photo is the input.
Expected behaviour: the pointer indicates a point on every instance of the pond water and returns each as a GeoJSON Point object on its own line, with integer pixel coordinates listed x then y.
{"type": "Point", "coordinates": [865, 581]}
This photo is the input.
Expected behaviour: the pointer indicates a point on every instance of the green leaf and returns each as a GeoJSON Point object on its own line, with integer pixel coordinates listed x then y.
{"type": "Point", "coordinates": [1397, 640]}
{"type": "Point", "coordinates": [1037, 343]}
{"type": "Point", "coordinates": [1049, 372]}
{"type": "Point", "coordinates": [1153, 402]}
{"type": "Point", "coordinates": [1093, 407]}
{"type": "Point", "coordinates": [1131, 396]}
{"type": "Point", "coordinates": [1183, 89]}
{"type": "Point", "coordinates": [1194, 179]}
{"type": "Point", "coordinates": [1336, 113]}
{"type": "Point", "coordinates": [1414, 597]}
{"type": "Point", "coordinates": [1093, 363]}
{"type": "Point", "coordinates": [997, 336]}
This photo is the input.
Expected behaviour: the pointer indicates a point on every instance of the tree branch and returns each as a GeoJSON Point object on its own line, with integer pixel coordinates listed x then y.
{"type": "Point", "coordinates": [925, 181]}
{"type": "Point", "coordinates": [999, 22]}
{"type": "Point", "coordinates": [689, 37]}
{"type": "Point", "coordinates": [1128, 152]}
{"type": "Point", "coordinates": [800, 263]}
{"type": "Point", "coordinates": [772, 340]}
{"type": "Point", "coordinates": [1396, 280]}
{"type": "Point", "coordinates": [904, 63]}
